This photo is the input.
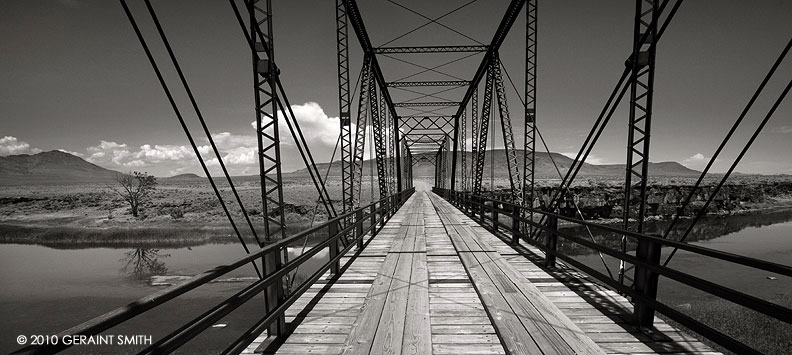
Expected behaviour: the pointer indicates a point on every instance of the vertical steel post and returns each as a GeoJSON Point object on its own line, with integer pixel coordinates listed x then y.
{"type": "Point", "coordinates": [642, 66]}
{"type": "Point", "coordinates": [344, 103]}
{"type": "Point", "coordinates": [551, 241]}
{"type": "Point", "coordinates": [515, 225]}
{"type": "Point", "coordinates": [646, 281]}
{"type": "Point", "coordinates": [359, 228]}
{"type": "Point", "coordinates": [268, 139]}
{"type": "Point", "coordinates": [529, 147]}
{"type": "Point", "coordinates": [332, 231]}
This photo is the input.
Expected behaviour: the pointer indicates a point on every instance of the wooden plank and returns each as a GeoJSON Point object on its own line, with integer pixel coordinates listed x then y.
{"type": "Point", "coordinates": [417, 329]}
{"type": "Point", "coordinates": [516, 338]}
{"type": "Point", "coordinates": [390, 332]}
{"type": "Point", "coordinates": [364, 328]}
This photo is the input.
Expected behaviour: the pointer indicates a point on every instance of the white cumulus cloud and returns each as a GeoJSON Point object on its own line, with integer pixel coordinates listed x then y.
{"type": "Point", "coordinates": [10, 145]}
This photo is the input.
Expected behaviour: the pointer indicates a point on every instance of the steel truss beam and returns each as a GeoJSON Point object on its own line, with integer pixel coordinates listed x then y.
{"type": "Point", "coordinates": [265, 75]}
{"type": "Point", "coordinates": [429, 49]}
{"type": "Point", "coordinates": [642, 67]}
{"type": "Point", "coordinates": [353, 13]}
{"type": "Point", "coordinates": [463, 145]}
{"type": "Point", "coordinates": [508, 134]}
{"type": "Point", "coordinates": [441, 123]}
{"type": "Point", "coordinates": [529, 147]}
{"type": "Point", "coordinates": [402, 84]}
{"type": "Point", "coordinates": [266, 97]}
{"type": "Point", "coordinates": [344, 103]}
{"type": "Point", "coordinates": [474, 128]}
{"type": "Point", "coordinates": [478, 169]}
{"type": "Point", "coordinates": [379, 139]}
{"type": "Point", "coordinates": [500, 34]}
{"type": "Point", "coordinates": [392, 145]}
{"type": "Point", "coordinates": [360, 135]}
{"type": "Point", "coordinates": [424, 158]}
{"type": "Point", "coordinates": [424, 104]}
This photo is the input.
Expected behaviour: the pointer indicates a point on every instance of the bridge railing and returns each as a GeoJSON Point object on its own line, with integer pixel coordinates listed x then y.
{"type": "Point", "coordinates": [364, 220]}
{"type": "Point", "coordinates": [646, 262]}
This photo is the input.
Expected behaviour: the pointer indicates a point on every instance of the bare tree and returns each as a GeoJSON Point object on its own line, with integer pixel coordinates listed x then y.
{"type": "Point", "coordinates": [137, 188]}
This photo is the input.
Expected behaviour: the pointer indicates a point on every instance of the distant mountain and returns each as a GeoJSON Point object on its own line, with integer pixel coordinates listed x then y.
{"type": "Point", "coordinates": [53, 167]}
{"type": "Point", "coordinates": [543, 167]}
{"type": "Point", "coordinates": [184, 177]}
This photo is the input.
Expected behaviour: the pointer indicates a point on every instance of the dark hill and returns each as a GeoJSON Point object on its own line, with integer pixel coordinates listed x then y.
{"type": "Point", "coordinates": [53, 167]}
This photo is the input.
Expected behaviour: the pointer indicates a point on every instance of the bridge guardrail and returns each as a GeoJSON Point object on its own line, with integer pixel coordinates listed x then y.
{"type": "Point", "coordinates": [646, 261]}
{"type": "Point", "coordinates": [370, 218]}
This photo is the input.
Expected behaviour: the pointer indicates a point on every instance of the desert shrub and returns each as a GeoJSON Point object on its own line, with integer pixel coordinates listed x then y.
{"type": "Point", "coordinates": [176, 213]}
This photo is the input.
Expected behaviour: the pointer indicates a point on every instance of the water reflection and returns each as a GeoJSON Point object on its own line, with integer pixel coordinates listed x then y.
{"type": "Point", "coordinates": [141, 264]}
{"type": "Point", "coordinates": [707, 228]}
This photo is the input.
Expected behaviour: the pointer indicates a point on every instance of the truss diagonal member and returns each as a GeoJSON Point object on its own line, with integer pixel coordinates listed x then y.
{"type": "Point", "coordinates": [512, 11]}
{"type": "Point", "coordinates": [430, 49]}
{"type": "Point", "coordinates": [508, 134]}
{"type": "Point", "coordinates": [474, 128]}
{"type": "Point", "coordinates": [483, 132]}
{"type": "Point", "coordinates": [379, 140]}
{"type": "Point", "coordinates": [360, 135]}
{"type": "Point", "coordinates": [463, 145]}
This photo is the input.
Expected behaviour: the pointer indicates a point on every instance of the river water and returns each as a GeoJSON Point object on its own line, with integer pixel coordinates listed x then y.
{"type": "Point", "coordinates": [46, 290]}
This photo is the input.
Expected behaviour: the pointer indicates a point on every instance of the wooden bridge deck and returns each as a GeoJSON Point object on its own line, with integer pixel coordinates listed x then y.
{"type": "Point", "coordinates": [434, 282]}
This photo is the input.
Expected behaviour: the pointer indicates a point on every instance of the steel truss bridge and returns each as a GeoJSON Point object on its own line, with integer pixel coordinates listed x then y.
{"type": "Point", "coordinates": [455, 268]}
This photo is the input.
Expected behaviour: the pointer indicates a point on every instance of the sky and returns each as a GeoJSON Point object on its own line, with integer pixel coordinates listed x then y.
{"type": "Point", "coordinates": [75, 78]}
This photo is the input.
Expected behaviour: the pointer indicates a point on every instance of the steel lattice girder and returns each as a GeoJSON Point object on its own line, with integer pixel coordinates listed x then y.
{"type": "Point", "coordinates": [642, 62]}
{"type": "Point", "coordinates": [345, 103]}
{"type": "Point", "coordinates": [266, 99]}
{"type": "Point", "coordinates": [417, 123]}
{"type": "Point", "coordinates": [529, 153]}
{"type": "Point", "coordinates": [425, 104]}
{"type": "Point", "coordinates": [379, 140]}
{"type": "Point", "coordinates": [508, 135]}
{"type": "Point", "coordinates": [360, 135]}
{"type": "Point", "coordinates": [353, 13]}
{"type": "Point", "coordinates": [478, 171]}
{"type": "Point", "coordinates": [474, 128]}
{"type": "Point", "coordinates": [400, 84]}
{"type": "Point", "coordinates": [642, 67]}
{"type": "Point", "coordinates": [506, 23]}
{"type": "Point", "coordinates": [464, 153]}
{"type": "Point", "coordinates": [429, 49]}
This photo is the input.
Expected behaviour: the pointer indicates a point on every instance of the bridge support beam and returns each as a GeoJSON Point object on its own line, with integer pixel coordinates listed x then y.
{"type": "Point", "coordinates": [642, 67]}
{"type": "Point", "coordinates": [646, 281]}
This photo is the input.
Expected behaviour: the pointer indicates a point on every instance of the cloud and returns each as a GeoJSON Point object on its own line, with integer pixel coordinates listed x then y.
{"type": "Point", "coordinates": [135, 163]}
{"type": "Point", "coordinates": [238, 150]}
{"type": "Point", "coordinates": [783, 129]}
{"type": "Point", "coordinates": [592, 158]}
{"type": "Point", "coordinates": [697, 158]}
{"type": "Point", "coordinates": [10, 145]}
